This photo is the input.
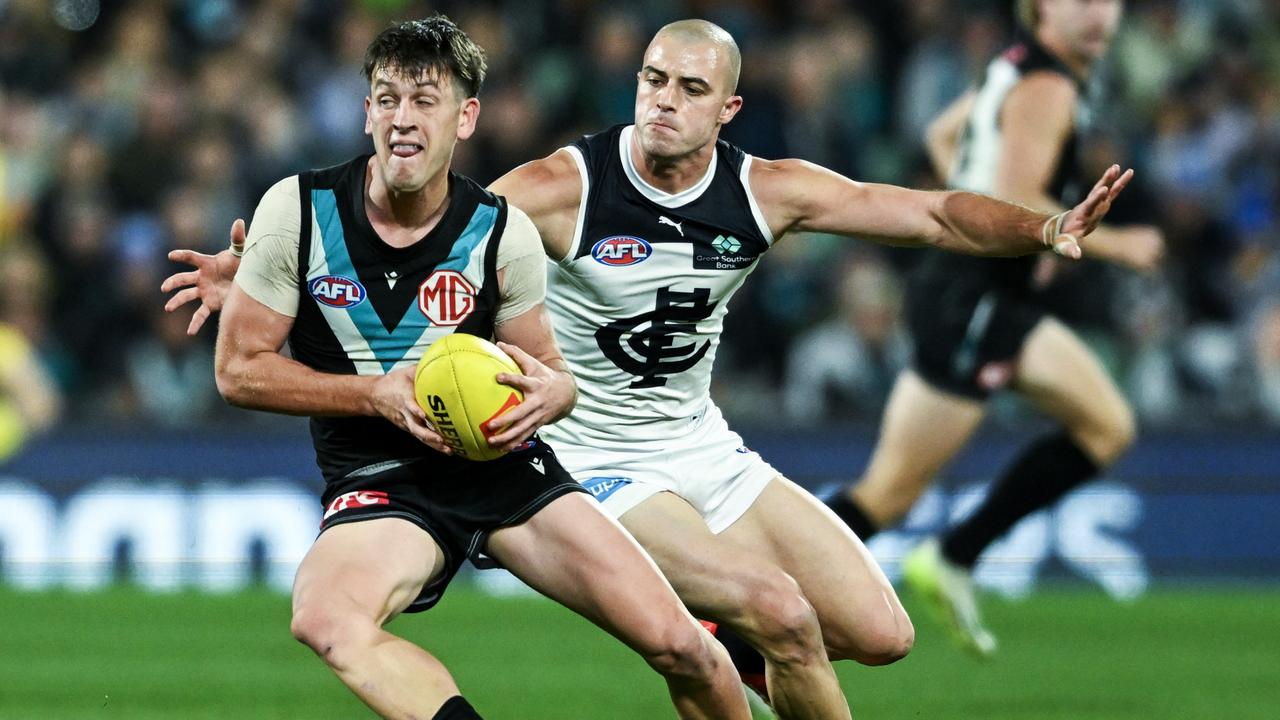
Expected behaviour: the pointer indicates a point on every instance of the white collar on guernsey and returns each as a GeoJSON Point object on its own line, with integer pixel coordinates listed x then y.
{"type": "Point", "coordinates": [661, 197]}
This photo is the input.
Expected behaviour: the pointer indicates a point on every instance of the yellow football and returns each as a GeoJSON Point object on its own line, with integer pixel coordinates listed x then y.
{"type": "Point", "coordinates": [455, 385]}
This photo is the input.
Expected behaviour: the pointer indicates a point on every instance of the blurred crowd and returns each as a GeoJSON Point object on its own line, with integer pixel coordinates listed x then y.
{"type": "Point", "coordinates": [132, 127]}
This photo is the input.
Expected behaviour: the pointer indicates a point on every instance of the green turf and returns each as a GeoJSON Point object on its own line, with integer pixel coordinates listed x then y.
{"type": "Point", "coordinates": [1064, 654]}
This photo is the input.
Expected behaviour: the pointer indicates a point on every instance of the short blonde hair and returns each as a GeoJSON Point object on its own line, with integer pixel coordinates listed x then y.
{"type": "Point", "coordinates": [1027, 12]}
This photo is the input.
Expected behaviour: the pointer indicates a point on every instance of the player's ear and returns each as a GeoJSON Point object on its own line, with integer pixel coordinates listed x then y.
{"type": "Point", "coordinates": [368, 121]}
{"type": "Point", "coordinates": [731, 106]}
{"type": "Point", "coordinates": [468, 114]}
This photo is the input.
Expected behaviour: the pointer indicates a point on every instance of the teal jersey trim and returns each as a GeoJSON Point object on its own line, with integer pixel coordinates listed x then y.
{"type": "Point", "coordinates": [391, 346]}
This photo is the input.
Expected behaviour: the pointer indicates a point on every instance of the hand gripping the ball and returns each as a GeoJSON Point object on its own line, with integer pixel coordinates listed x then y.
{"type": "Point", "coordinates": [549, 395]}
{"type": "Point", "coordinates": [393, 398]}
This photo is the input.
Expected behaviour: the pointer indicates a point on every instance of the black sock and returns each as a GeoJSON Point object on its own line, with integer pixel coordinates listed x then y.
{"type": "Point", "coordinates": [457, 708]}
{"type": "Point", "coordinates": [1043, 473]}
{"type": "Point", "coordinates": [746, 659]}
{"type": "Point", "coordinates": [853, 515]}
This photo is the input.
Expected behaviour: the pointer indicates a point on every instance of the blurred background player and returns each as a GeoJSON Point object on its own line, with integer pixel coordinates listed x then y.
{"type": "Point", "coordinates": [379, 229]}
{"type": "Point", "coordinates": [30, 400]}
{"type": "Point", "coordinates": [979, 324]}
{"type": "Point", "coordinates": [639, 321]}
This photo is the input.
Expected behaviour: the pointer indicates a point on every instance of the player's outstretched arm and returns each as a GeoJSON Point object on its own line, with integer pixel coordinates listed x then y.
{"type": "Point", "coordinates": [209, 282]}
{"type": "Point", "coordinates": [798, 195]}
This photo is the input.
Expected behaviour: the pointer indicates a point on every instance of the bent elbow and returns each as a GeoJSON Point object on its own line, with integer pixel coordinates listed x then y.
{"type": "Point", "coordinates": [230, 379]}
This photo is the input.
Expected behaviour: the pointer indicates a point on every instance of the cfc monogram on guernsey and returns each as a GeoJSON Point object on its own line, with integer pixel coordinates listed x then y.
{"type": "Point", "coordinates": [367, 308]}
{"type": "Point", "coordinates": [639, 303]}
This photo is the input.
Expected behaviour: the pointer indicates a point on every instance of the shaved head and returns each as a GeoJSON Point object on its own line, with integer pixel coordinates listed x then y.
{"type": "Point", "coordinates": [709, 32]}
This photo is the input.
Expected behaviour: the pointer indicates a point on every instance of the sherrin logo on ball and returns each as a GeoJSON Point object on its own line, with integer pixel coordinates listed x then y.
{"type": "Point", "coordinates": [621, 250]}
{"type": "Point", "coordinates": [337, 291]}
{"type": "Point", "coordinates": [455, 385]}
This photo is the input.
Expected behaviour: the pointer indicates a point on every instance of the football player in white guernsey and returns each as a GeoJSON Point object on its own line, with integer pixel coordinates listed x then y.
{"type": "Point", "coordinates": [424, 77]}
{"type": "Point", "coordinates": [742, 545]}
{"type": "Point", "coordinates": [1014, 137]}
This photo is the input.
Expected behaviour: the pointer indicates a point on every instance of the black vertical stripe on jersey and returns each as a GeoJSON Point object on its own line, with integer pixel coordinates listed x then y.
{"type": "Point", "coordinates": [482, 324]}
{"type": "Point", "coordinates": [311, 340]}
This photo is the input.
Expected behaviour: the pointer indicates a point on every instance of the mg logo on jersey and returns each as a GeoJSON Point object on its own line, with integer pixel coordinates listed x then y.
{"type": "Point", "coordinates": [446, 298]}
{"type": "Point", "coordinates": [621, 250]}
{"type": "Point", "coordinates": [337, 291]}
{"type": "Point", "coordinates": [359, 498]}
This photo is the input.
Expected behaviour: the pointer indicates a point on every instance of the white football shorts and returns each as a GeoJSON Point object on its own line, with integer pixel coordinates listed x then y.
{"type": "Point", "coordinates": [706, 464]}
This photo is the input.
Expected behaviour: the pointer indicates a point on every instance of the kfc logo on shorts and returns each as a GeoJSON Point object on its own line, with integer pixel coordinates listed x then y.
{"type": "Point", "coordinates": [621, 250]}
{"type": "Point", "coordinates": [446, 298]}
{"type": "Point", "coordinates": [357, 499]}
{"type": "Point", "coordinates": [995, 375]}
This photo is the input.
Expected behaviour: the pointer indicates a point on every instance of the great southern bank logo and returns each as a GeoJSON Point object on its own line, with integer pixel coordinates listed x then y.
{"type": "Point", "coordinates": [726, 245]}
{"type": "Point", "coordinates": [337, 291]}
{"type": "Point", "coordinates": [621, 250]}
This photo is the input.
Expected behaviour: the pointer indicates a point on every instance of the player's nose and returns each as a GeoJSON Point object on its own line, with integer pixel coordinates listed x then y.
{"type": "Point", "coordinates": [665, 98]}
{"type": "Point", "coordinates": [404, 115]}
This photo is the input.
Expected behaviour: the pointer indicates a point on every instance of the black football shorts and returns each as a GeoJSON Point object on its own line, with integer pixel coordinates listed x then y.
{"type": "Point", "coordinates": [458, 503]}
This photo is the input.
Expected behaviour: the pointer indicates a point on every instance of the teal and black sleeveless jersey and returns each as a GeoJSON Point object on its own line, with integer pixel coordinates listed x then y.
{"type": "Point", "coordinates": [367, 308]}
{"type": "Point", "coordinates": [978, 156]}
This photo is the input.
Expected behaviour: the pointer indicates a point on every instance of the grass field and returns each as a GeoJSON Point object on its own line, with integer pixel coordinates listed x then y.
{"type": "Point", "coordinates": [1065, 654]}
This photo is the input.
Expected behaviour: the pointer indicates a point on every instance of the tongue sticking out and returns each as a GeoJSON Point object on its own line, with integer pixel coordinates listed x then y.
{"type": "Point", "coordinates": [405, 151]}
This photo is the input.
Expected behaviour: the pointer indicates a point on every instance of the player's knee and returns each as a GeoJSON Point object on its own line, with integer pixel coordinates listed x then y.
{"type": "Point", "coordinates": [332, 635]}
{"type": "Point", "coordinates": [681, 651]}
{"type": "Point", "coordinates": [881, 640]}
{"type": "Point", "coordinates": [782, 620]}
{"type": "Point", "coordinates": [1124, 430]}
{"type": "Point", "coordinates": [1110, 435]}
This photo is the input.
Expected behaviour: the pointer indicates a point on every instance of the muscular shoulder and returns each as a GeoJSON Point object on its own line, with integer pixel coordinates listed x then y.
{"type": "Point", "coordinates": [520, 238]}
{"type": "Point", "coordinates": [278, 211]}
{"type": "Point", "coordinates": [1044, 94]}
{"type": "Point", "coordinates": [269, 269]}
{"type": "Point", "coordinates": [549, 191]}
{"type": "Point", "coordinates": [541, 186]}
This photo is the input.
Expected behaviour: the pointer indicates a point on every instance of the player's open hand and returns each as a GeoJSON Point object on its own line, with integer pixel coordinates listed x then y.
{"type": "Point", "coordinates": [1084, 218]}
{"type": "Point", "coordinates": [209, 282]}
{"type": "Point", "coordinates": [548, 395]}
{"type": "Point", "coordinates": [392, 397]}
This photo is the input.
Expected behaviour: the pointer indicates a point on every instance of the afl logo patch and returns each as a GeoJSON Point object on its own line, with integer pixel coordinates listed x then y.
{"type": "Point", "coordinates": [337, 291]}
{"type": "Point", "coordinates": [621, 250]}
